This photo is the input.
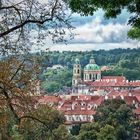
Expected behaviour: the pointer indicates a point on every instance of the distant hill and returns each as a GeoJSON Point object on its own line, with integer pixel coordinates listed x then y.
{"type": "Point", "coordinates": [121, 61]}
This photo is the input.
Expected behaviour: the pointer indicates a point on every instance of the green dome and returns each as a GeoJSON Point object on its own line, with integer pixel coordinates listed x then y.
{"type": "Point", "coordinates": [91, 67]}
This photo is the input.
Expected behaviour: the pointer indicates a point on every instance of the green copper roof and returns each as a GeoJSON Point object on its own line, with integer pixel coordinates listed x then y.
{"type": "Point", "coordinates": [91, 67]}
{"type": "Point", "coordinates": [77, 61]}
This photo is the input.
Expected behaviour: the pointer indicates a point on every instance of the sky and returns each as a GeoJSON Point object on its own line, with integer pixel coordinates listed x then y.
{"type": "Point", "coordinates": [95, 33]}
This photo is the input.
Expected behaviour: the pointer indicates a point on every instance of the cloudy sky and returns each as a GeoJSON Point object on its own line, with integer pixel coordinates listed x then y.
{"type": "Point", "coordinates": [96, 32]}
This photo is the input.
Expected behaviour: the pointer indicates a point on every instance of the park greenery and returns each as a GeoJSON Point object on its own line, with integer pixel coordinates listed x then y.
{"type": "Point", "coordinates": [124, 62]}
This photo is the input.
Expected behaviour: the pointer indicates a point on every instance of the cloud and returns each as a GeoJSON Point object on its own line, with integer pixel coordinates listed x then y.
{"type": "Point", "coordinates": [96, 32]}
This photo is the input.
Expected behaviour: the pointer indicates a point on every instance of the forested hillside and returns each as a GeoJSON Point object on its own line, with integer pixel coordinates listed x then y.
{"type": "Point", "coordinates": [121, 62]}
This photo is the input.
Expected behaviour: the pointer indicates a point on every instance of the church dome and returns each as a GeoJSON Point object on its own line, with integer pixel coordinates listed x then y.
{"type": "Point", "coordinates": [92, 67]}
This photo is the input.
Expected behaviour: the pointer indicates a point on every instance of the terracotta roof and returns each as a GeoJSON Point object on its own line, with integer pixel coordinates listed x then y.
{"type": "Point", "coordinates": [118, 78]}
{"type": "Point", "coordinates": [138, 98]}
{"type": "Point", "coordinates": [113, 84]}
{"type": "Point", "coordinates": [129, 99]}
{"type": "Point", "coordinates": [137, 111]}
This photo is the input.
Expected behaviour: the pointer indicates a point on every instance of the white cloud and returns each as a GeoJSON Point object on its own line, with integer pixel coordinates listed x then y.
{"type": "Point", "coordinates": [97, 32]}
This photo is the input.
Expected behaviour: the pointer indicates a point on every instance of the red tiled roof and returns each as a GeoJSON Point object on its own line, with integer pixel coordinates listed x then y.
{"type": "Point", "coordinates": [130, 99]}
{"type": "Point", "coordinates": [113, 84]}
{"type": "Point", "coordinates": [137, 111]}
{"type": "Point", "coordinates": [138, 98]}
{"type": "Point", "coordinates": [117, 78]}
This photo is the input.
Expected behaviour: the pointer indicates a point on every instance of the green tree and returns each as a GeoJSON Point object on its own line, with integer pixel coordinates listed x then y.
{"type": "Point", "coordinates": [89, 131]}
{"type": "Point", "coordinates": [61, 133]}
{"type": "Point", "coordinates": [41, 123]}
{"type": "Point", "coordinates": [117, 114]}
{"type": "Point", "coordinates": [113, 121]}
{"type": "Point", "coordinates": [107, 133]}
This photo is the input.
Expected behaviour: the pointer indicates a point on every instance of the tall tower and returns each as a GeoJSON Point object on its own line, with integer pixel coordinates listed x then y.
{"type": "Point", "coordinates": [76, 73]}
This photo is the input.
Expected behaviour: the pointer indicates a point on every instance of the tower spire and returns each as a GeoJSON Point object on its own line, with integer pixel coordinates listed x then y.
{"type": "Point", "coordinates": [92, 60]}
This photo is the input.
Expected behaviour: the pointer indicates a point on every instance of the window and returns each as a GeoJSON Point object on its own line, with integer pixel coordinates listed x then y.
{"type": "Point", "coordinates": [85, 76]}
{"type": "Point", "coordinates": [84, 118]}
{"type": "Point", "coordinates": [136, 135]}
{"type": "Point", "coordinates": [70, 118]}
{"type": "Point", "coordinates": [77, 118]}
{"type": "Point", "coordinates": [73, 81]}
{"type": "Point", "coordinates": [78, 71]}
{"type": "Point", "coordinates": [90, 77]}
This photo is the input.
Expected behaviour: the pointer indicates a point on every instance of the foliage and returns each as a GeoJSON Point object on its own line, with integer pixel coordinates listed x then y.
{"type": "Point", "coordinates": [22, 21]}
{"type": "Point", "coordinates": [106, 133]}
{"type": "Point", "coordinates": [61, 133]}
{"type": "Point", "coordinates": [75, 129]}
{"type": "Point", "coordinates": [41, 123]}
{"type": "Point", "coordinates": [117, 114]}
{"type": "Point", "coordinates": [54, 80]}
{"type": "Point", "coordinates": [88, 131]}
{"type": "Point", "coordinates": [113, 120]}
{"type": "Point", "coordinates": [21, 117]}
{"type": "Point", "coordinates": [124, 62]}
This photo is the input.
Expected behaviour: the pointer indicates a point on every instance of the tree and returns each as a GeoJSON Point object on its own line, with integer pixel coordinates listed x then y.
{"type": "Point", "coordinates": [21, 22]}
{"type": "Point", "coordinates": [117, 114]}
{"type": "Point", "coordinates": [41, 123]}
{"type": "Point", "coordinates": [89, 131]}
{"type": "Point", "coordinates": [111, 9]}
{"type": "Point", "coordinates": [61, 133]}
{"type": "Point", "coordinates": [16, 85]}
{"type": "Point", "coordinates": [112, 121]}
{"type": "Point", "coordinates": [106, 133]}
{"type": "Point", "coordinates": [75, 129]}
{"type": "Point", "coordinates": [18, 108]}
{"type": "Point", "coordinates": [24, 21]}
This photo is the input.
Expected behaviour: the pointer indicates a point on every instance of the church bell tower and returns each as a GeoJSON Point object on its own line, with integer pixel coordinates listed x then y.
{"type": "Point", "coordinates": [76, 79]}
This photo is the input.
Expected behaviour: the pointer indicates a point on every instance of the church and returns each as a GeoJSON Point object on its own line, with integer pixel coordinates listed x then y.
{"type": "Point", "coordinates": [91, 82]}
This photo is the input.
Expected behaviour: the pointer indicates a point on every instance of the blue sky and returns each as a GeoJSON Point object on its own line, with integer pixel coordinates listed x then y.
{"type": "Point", "coordinates": [95, 32]}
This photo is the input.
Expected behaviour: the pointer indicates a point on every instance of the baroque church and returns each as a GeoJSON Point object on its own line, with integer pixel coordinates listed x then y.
{"type": "Point", "coordinates": [91, 72]}
{"type": "Point", "coordinates": [89, 80]}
